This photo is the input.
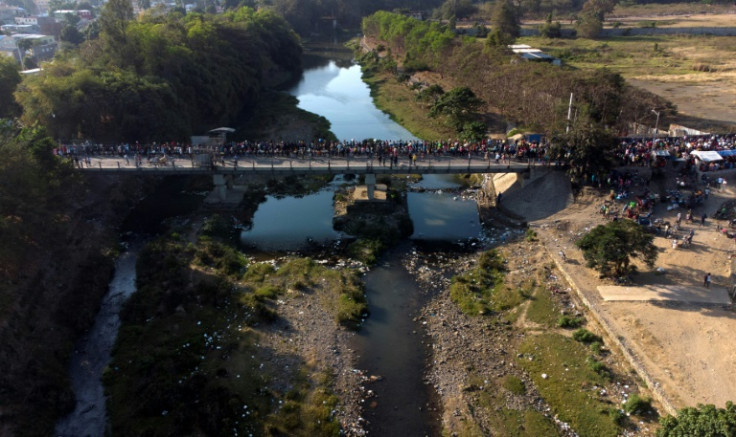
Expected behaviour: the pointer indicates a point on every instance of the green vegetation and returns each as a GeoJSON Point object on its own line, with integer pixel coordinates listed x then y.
{"type": "Point", "coordinates": [459, 107]}
{"type": "Point", "coordinates": [211, 68]}
{"type": "Point", "coordinates": [609, 248]}
{"type": "Point", "coordinates": [514, 385]}
{"type": "Point", "coordinates": [587, 148]}
{"type": "Point", "coordinates": [636, 404]}
{"type": "Point", "coordinates": [481, 290]}
{"type": "Point", "coordinates": [54, 269]}
{"type": "Point", "coordinates": [584, 336]}
{"type": "Point", "coordinates": [492, 400]}
{"type": "Point", "coordinates": [705, 420]}
{"type": "Point", "coordinates": [188, 361]}
{"type": "Point", "coordinates": [542, 309]}
{"type": "Point", "coordinates": [400, 102]}
{"type": "Point", "coordinates": [510, 89]}
{"type": "Point", "coordinates": [9, 80]}
{"type": "Point", "coordinates": [568, 322]}
{"type": "Point", "coordinates": [567, 387]}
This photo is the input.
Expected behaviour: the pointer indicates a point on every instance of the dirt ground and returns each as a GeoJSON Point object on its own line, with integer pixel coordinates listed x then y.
{"type": "Point", "coordinates": [673, 330]}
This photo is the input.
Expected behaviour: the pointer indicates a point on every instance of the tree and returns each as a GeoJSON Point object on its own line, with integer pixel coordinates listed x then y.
{"type": "Point", "coordinates": [460, 9]}
{"type": "Point", "coordinates": [71, 35]}
{"type": "Point", "coordinates": [586, 148]}
{"type": "Point", "coordinates": [589, 25]}
{"type": "Point", "coordinates": [703, 421]}
{"type": "Point", "coordinates": [610, 248]}
{"type": "Point", "coordinates": [114, 20]}
{"type": "Point", "coordinates": [459, 105]}
{"type": "Point", "coordinates": [550, 29]}
{"type": "Point", "coordinates": [9, 80]}
{"type": "Point", "coordinates": [505, 22]}
{"type": "Point", "coordinates": [430, 94]}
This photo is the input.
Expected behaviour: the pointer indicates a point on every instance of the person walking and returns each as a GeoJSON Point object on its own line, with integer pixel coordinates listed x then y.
{"type": "Point", "coordinates": [706, 281]}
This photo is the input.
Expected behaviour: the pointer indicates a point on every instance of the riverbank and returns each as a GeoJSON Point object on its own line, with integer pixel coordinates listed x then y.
{"type": "Point", "coordinates": [52, 299]}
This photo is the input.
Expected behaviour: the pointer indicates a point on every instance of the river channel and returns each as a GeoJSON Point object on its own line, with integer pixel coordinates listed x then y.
{"type": "Point", "coordinates": [389, 343]}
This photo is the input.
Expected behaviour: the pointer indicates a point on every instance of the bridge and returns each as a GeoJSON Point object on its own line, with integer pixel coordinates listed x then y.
{"type": "Point", "coordinates": [224, 169]}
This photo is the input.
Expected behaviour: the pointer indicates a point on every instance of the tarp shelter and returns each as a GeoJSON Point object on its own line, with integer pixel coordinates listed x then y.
{"type": "Point", "coordinates": [662, 153]}
{"type": "Point", "coordinates": [707, 155]}
{"type": "Point", "coordinates": [516, 137]}
{"type": "Point", "coordinates": [727, 152]}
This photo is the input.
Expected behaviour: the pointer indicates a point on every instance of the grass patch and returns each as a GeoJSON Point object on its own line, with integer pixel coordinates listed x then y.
{"type": "Point", "coordinates": [564, 361]}
{"type": "Point", "coordinates": [514, 384]}
{"type": "Point", "coordinates": [481, 290]}
{"type": "Point", "coordinates": [502, 420]}
{"type": "Point", "coordinates": [542, 309]}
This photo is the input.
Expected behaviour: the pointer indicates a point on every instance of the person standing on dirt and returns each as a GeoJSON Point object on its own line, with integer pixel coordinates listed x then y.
{"type": "Point", "coordinates": [706, 281]}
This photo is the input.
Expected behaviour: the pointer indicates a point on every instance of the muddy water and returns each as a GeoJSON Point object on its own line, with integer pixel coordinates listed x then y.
{"type": "Point", "coordinates": [93, 351]}
{"type": "Point", "coordinates": [391, 347]}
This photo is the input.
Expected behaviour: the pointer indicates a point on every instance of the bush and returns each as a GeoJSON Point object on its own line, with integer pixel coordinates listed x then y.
{"type": "Point", "coordinates": [705, 420]}
{"type": "Point", "coordinates": [584, 336]}
{"type": "Point", "coordinates": [530, 235]}
{"type": "Point", "coordinates": [267, 292]}
{"type": "Point", "coordinates": [596, 347]}
{"type": "Point", "coordinates": [617, 415]}
{"type": "Point", "coordinates": [598, 367]}
{"type": "Point", "coordinates": [514, 384]}
{"type": "Point", "coordinates": [566, 321]}
{"type": "Point", "coordinates": [637, 405]}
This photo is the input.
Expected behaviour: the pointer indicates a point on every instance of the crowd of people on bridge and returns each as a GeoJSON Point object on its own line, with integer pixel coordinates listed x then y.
{"type": "Point", "coordinates": [630, 151]}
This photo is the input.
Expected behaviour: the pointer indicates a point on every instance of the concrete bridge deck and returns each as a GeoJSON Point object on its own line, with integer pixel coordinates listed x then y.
{"type": "Point", "coordinates": [282, 166]}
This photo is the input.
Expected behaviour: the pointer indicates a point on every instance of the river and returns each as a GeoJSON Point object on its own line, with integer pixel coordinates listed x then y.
{"type": "Point", "coordinates": [390, 343]}
{"type": "Point", "coordinates": [93, 353]}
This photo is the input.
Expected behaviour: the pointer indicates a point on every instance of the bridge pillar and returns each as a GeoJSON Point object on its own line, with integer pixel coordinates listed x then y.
{"type": "Point", "coordinates": [370, 185]}
{"type": "Point", "coordinates": [221, 183]}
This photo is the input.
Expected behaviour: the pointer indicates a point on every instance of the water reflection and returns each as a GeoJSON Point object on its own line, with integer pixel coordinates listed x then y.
{"type": "Point", "coordinates": [340, 95]}
{"type": "Point", "coordinates": [443, 216]}
{"type": "Point", "coordinates": [290, 223]}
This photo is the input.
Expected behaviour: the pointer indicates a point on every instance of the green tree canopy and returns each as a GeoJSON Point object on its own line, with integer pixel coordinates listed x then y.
{"type": "Point", "coordinates": [587, 148]}
{"type": "Point", "coordinates": [460, 9]}
{"type": "Point", "coordinates": [9, 80]}
{"type": "Point", "coordinates": [703, 421]}
{"type": "Point", "coordinates": [459, 105]}
{"type": "Point", "coordinates": [610, 248]}
{"type": "Point", "coordinates": [505, 21]}
{"type": "Point", "coordinates": [169, 76]}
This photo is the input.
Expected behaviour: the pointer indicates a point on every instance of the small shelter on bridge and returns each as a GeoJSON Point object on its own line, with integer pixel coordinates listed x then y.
{"type": "Point", "coordinates": [219, 135]}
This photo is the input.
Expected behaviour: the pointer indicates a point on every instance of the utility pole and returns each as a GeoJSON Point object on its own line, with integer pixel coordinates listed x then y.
{"type": "Point", "coordinates": [656, 128]}
{"type": "Point", "coordinates": [569, 114]}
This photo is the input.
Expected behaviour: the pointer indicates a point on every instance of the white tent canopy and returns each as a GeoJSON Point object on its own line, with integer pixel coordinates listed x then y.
{"type": "Point", "coordinates": [222, 130]}
{"type": "Point", "coordinates": [707, 155]}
